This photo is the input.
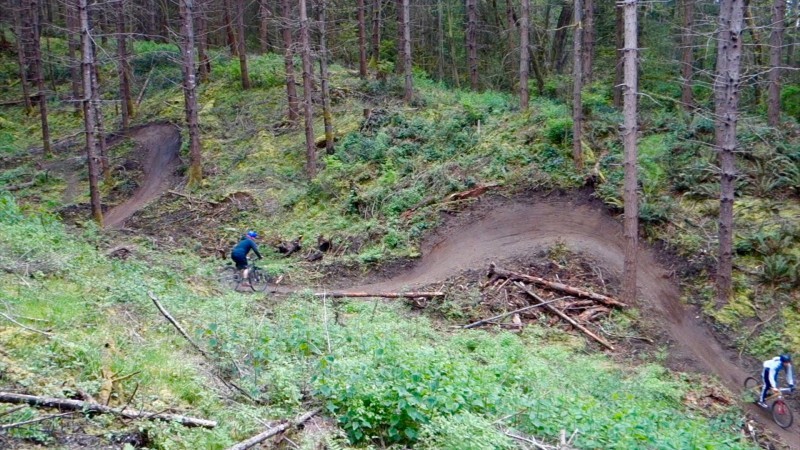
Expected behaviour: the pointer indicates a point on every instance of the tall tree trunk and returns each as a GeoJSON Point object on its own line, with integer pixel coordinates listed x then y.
{"type": "Point", "coordinates": [362, 41]}
{"type": "Point", "coordinates": [123, 68]}
{"type": "Point", "coordinates": [726, 109]}
{"type": "Point", "coordinates": [629, 131]}
{"type": "Point", "coordinates": [588, 40]}
{"type": "Point", "coordinates": [311, 148]}
{"type": "Point", "coordinates": [73, 47]}
{"type": "Point", "coordinates": [577, 87]}
{"type": "Point", "coordinates": [524, 54]}
{"type": "Point", "coordinates": [22, 55]}
{"type": "Point", "coordinates": [190, 92]}
{"type": "Point", "coordinates": [33, 25]}
{"type": "Point", "coordinates": [102, 144]}
{"type": "Point", "coordinates": [288, 58]}
{"type": "Point", "coordinates": [409, 78]}
{"type": "Point", "coordinates": [204, 66]}
{"type": "Point", "coordinates": [451, 39]}
{"type": "Point", "coordinates": [327, 117]}
{"type": "Point", "coordinates": [758, 52]}
{"type": "Point", "coordinates": [795, 20]}
{"type": "Point", "coordinates": [560, 38]}
{"type": "Point", "coordinates": [240, 43]}
{"type": "Point", "coordinates": [264, 14]}
{"type": "Point", "coordinates": [687, 55]}
{"type": "Point", "coordinates": [376, 38]}
{"type": "Point", "coordinates": [619, 73]}
{"type": "Point", "coordinates": [400, 60]}
{"type": "Point", "coordinates": [472, 43]}
{"type": "Point", "coordinates": [440, 36]}
{"type": "Point", "coordinates": [775, 44]}
{"type": "Point", "coordinates": [229, 31]}
{"type": "Point", "coordinates": [89, 115]}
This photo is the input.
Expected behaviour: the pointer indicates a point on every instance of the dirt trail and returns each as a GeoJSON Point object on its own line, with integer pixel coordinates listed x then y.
{"type": "Point", "coordinates": [500, 229]}
{"type": "Point", "coordinates": [162, 142]}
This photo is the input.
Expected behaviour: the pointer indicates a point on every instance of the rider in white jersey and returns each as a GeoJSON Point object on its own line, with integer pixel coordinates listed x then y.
{"type": "Point", "coordinates": [770, 375]}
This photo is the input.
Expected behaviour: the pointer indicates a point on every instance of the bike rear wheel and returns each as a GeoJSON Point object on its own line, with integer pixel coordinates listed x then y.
{"type": "Point", "coordinates": [782, 414]}
{"type": "Point", "coordinates": [230, 277]}
{"type": "Point", "coordinates": [258, 280]}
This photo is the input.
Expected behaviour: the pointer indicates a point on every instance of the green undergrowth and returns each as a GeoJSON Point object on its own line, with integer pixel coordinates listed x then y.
{"type": "Point", "coordinates": [381, 373]}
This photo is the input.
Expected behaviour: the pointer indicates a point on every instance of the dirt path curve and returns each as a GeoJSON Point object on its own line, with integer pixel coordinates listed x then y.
{"type": "Point", "coordinates": [499, 228]}
{"type": "Point", "coordinates": [162, 142]}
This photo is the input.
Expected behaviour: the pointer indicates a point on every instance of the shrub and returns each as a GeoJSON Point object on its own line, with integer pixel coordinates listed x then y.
{"type": "Point", "coordinates": [559, 130]}
{"type": "Point", "coordinates": [790, 100]}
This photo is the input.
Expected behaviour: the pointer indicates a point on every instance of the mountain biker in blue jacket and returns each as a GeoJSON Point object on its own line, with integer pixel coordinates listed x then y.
{"type": "Point", "coordinates": [770, 375]}
{"type": "Point", "coordinates": [240, 251]}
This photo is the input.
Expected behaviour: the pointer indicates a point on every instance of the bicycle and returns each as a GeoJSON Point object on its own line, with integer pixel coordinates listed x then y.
{"type": "Point", "coordinates": [257, 278]}
{"type": "Point", "coordinates": [781, 411]}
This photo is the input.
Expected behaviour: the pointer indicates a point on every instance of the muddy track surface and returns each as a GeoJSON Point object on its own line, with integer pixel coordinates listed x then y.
{"type": "Point", "coordinates": [162, 143]}
{"type": "Point", "coordinates": [498, 229]}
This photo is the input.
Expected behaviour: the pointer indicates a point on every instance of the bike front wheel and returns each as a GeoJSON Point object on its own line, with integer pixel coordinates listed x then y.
{"type": "Point", "coordinates": [752, 389]}
{"type": "Point", "coordinates": [782, 414]}
{"type": "Point", "coordinates": [258, 280]}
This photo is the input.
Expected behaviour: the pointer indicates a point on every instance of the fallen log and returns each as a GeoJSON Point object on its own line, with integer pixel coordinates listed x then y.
{"type": "Point", "coordinates": [380, 294]}
{"type": "Point", "coordinates": [90, 407]}
{"type": "Point", "coordinates": [569, 319]}
{"type": "Point", "coordinates": [17, 187]}
{"type": "Point", "coordinates": [561, 287]}
{"type": "Point", "coordinates": [501, 316]}
{"type": "Point", "coordinates": [261, 437]}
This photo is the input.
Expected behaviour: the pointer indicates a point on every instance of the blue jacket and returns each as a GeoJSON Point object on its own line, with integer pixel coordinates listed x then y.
{"type": "Point", "coordinates": [243, 248]}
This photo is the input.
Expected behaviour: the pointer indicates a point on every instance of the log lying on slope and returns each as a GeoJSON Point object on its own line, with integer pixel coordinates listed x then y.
{"type": "Point", "coordinates": [91, 407]}
{"type": "Point", "coordinates": [261, 437]}
{"type": "Point", "coordinates": [380, 294]}
{"type": "Point", "coordinates": [516, 276]}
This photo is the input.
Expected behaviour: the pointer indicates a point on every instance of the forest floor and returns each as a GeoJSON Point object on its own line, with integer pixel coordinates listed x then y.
{"type": "Point", "coordinates": [497, 228]}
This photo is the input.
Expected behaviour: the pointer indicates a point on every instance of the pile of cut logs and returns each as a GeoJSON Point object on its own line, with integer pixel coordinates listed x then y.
{"type": "Point", "coordinates": [577, 307]}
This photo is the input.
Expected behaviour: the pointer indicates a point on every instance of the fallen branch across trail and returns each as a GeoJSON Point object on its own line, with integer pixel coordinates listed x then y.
{"type": "Point", "coordinates": [261, 437]}
{"type": "Point", "coordinates": [379, 294]}
{"type": "Point", "coordinates": [496, 271]}
{"type": "Point", "coordinates": [569, 319]}
{"type": "Point", "coordinates": [91, 407]}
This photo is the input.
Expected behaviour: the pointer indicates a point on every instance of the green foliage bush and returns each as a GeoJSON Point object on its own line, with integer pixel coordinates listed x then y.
{"type": "Point", "coordinates": [790, 100]}
{"type": "Point", "coordinates": [559, 131]}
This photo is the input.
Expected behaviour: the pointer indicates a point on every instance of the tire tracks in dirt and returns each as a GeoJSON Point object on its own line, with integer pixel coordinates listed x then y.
{"type": "Point", "coordinates": [499, 228]}
{"type": "Point", "coordinates": [162, 142]}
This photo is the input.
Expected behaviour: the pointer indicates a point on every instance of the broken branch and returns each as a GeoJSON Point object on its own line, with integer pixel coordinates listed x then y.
{"type": "Point", "coordinates": [569, 319]}
{"type": "Point", "coordinates": [38, 419]}
{"type": "Point", "coordinates": [273, 431]}
{"type": "Point", "coordinates": [379, 294]}
{"type": "Point", "coordinates": [608, 301]}
{"type": "Point", "coordinates": [89, 407]}
{"type": "Point", "coordinates": [25, 327]}
{"type": "Point", "coordinates": [177, 326]}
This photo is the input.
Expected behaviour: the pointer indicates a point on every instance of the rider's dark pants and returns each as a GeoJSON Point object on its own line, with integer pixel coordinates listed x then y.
{"type": "Point", "coordinates": [767, 384]}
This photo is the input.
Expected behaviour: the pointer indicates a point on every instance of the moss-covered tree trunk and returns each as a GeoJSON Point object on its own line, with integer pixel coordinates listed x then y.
{"type": "Point", "coordinates": [123, 67]}
{"type": "Point", "coordinates": [89, 116]}
{"type": "Point", "coordinates": [588, 41]}
{"type": "Point", "coordinates": [524, 54]}
{"type": "Point", "coordinates": [31, 23]}
{"type": "Point", "coordinates": [190, 92]}
{"type": "Point", "coordinates": [240, 43]}
{"type": "Point", "coordinates": [73, 47]}
{"type": "Point", "coordinates": [204, 66]}
{"type": "Point", "coordinates": [327, 117]}
{"type": "Point", "coordinates": [22, 59]}
{"type": "Point", "coordinates": [376, 38]}
{"type": "Point", "coordinates": [687, 54]}
{"type": "Point", "coordinates": [775, 44]}
{"type": "Point", "coordinates": [288, 59]}
{"type": "Point", "coordinates": [472, 43]}
{"type": "Point", "coordinates": [577, 87]}
{"type": "Point", "coordinates": [264, 16]}
{"type": "Point", "coordinates": [305, 43]}
{"type": "Point", "coordinates": [362, 41]}
{"type": "Point", "coordinates": [409, 78]}
{"type": "Point", "coordinates": [726, 115]}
